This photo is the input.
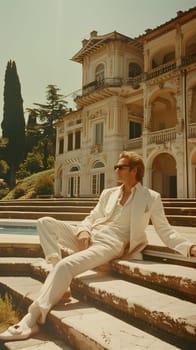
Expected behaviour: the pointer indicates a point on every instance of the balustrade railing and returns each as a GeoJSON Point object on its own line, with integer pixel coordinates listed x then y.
{"type": "Point", "coordinates": [133, 144]}
{"type": "Point", "coordinates": [164, 68]}
{"type": "Point", "coordinates": [192, 130]}
{"type": "Point", "coordinates": [189, 59]}
{"type": "Point", "coordinates": [161, 136]}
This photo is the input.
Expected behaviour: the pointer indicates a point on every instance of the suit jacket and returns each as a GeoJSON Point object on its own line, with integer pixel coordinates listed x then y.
{"type": "Point", "coordinates": [146, 205]}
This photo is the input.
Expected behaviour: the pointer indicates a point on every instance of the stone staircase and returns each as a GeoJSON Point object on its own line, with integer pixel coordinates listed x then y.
{"type": "Point", "coordinates": [124, 305]}
{"type": "Point", "coordinates": [178, 211]}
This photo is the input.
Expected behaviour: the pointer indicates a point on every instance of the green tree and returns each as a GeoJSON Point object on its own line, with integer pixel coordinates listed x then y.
{"type": "Point", "coordinates": [13, 124]}
{"type": "Point", "coordinates": [32, 164]}
{"type": "Point", "coordinates": [46, 116]}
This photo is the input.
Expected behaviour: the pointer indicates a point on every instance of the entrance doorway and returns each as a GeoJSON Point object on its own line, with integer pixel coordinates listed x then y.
{"type": "Point", "coordinates": [164, 175]}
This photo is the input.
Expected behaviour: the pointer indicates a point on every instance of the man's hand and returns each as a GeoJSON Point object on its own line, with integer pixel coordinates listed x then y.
{"type": "Point", "coordinates": [84, 240]}
{"type": "Point", "coordinates": [193, 250]}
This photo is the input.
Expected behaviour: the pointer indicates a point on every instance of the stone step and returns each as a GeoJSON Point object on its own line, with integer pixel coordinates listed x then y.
{"type": "Point", "coordinates": [182, 220]}
{"type": "Point", "coordinates": [166, 255]}
{"type": "Point", "coordinates": [180, 210]}
{"type": "Point", "coordinates": [42, 341]}
{"type": "Point", "coordinates": [17, 245]}
{"type": "Point", "coordinates": [180, 203]}
{"type": "Point", "coordinates": [50, 202]}
{"type": "Point", "coordinates": [166, 278]}
{"type": "Point", "coordinates": [73, 216]}
{"type": "Point", "coordinates": [48, 209]}
{"type": "Point", "coordinates": [176, 220]}
{"type": "Point", "coordinates": [191, 211]}
{"type": "Point", "coordinates": [82, 325]}
{"type": "Point", "coordinates": [164, 313]}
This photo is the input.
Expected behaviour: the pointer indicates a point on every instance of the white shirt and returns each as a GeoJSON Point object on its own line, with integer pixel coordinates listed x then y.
{"type": "Point", "coordinates": [117, 227]}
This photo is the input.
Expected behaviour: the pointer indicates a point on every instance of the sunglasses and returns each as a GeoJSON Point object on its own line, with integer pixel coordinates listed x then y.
{"type": "Point", "coordinates": [121, 167]}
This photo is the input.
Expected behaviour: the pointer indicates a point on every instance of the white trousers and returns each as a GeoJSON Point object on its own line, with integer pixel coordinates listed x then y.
{"type": "Point", "coordinates": [52, 232]}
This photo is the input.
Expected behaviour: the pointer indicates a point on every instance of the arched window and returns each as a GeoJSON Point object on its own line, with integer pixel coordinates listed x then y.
{"type": "Point", "coordinates": [74, 168]}
{"type": "Point", "coordinates": [134, 70]}
{"type": "Point", "coordinates": [99, 72]}
{"type": "Point", "coordinates": [98, 165]}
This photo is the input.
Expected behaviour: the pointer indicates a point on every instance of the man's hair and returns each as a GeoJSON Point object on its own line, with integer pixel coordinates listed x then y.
{"type": "Point", "coordinates": [135, 161]}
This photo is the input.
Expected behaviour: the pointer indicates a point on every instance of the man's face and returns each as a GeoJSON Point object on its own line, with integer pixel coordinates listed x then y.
{"type": "Point", "coordinates": [125, 174]}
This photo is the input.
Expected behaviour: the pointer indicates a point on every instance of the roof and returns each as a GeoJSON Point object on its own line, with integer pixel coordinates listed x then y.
{"type": "Point", "coordinates": [98, 41]}
{"type": "Point", "coordinates": [181, 18]}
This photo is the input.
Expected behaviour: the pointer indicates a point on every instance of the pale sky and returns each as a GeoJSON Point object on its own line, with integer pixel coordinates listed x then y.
{"type": "Point", "coordinates": [41, 36]}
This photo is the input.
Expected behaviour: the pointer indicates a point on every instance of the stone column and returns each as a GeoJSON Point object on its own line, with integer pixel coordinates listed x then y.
{"type": "Point", "coordinates": [189, 106]}
{"type": "Point", "coordinates": [178, 47]}
{"type": "Point", "coordinates": [146, 60]}
{"type": "Point", "coordinates": [147, 117]}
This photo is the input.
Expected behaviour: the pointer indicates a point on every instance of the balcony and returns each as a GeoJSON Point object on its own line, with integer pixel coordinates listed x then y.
{"type": "Point", "coordinates": [162, 69]}
{"type": "Point", "coordinates": [105, 83]}
{"type": "Point", "coordinates": [192, 130]}
{"type": "Point", "coordinates": [133, 144]}
{"type": "Point", "coordinates": [186, 60]}
{"type": "Point", "coordinates": [161, 136]}
{"type": "Point", "coordinates": [134, 82]}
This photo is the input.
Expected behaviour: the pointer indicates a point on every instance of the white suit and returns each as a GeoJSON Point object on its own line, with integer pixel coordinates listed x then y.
{"type": "Point", "coordinates": [108, 242]}
{"type": "Point", "coordinates": [146, 205]}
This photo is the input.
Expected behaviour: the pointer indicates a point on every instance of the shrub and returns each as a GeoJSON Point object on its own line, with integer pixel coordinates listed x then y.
{"type": "Point", "coordinates": [44, 185]}
{"type": "Point", "coordinates": [3, 188]}
{"type": "Point", "coordinates": [3, 192]}
{"type": "Point", "coordinates": [18, 192]}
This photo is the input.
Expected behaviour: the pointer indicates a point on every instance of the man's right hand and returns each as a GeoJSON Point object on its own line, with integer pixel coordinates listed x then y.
{"type": "Point", "coordinates": [84, 240]}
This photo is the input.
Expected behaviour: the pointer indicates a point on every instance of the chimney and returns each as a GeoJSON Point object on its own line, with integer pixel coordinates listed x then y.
{"type": "Point", "coordinates": [93, 34]}
{"type": "Point", "coordinates": [179, 13]}
{"type": "Point", "coordinates": [84, 42]}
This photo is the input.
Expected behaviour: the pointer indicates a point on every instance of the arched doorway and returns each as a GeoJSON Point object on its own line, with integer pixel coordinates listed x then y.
{"type": "Point", "coordinates": [74, 182]}
{"type": "Point", "coordinates": [97, 178]}
{"type": "Point", "coordinates": [164, 178]}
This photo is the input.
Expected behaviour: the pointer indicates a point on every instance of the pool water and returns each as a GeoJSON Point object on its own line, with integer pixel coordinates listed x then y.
{"type": "Point", "coordinates": [21, 230]}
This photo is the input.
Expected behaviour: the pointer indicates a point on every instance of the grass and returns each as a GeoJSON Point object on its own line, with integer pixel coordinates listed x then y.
{"type": "Point", "coordinates": [8, 315]}
{"type": "Point", "coordinates": [28, 184]}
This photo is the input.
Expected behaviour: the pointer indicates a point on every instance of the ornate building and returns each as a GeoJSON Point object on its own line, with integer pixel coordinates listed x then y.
{"type": "Point", "coordinates": [137, 94]}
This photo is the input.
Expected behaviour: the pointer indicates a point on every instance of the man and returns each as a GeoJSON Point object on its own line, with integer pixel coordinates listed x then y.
{"type": "Point", "coordinates": [117, 224]}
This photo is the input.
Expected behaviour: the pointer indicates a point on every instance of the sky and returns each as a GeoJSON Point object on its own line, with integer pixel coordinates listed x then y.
{"type": "Point", "coordinates": [42, 36]}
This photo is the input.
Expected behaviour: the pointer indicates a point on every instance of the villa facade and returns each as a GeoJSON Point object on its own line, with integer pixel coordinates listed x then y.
{"type": "Point", "coordinates": [137, 94]}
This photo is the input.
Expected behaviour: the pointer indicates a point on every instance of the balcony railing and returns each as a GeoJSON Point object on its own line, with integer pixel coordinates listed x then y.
{"type": "Point", "coordinates": [189, 59]}
{"type": "Point", "coordinates": [192, 130]}
{"type": "Point", "coordinates": [134, 82]}
{"type": "Point", "coordinates": [164, 68]}
{"type": "Point", "coordinates": [107, 82]}
{"type": "Point", "coordinates": [133, 144]}
{"type": "Point", "coordinates": [161, 136]}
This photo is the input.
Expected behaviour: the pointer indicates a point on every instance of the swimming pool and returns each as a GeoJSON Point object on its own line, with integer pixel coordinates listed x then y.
{"type": "Point", "coordinates": [20, 230]}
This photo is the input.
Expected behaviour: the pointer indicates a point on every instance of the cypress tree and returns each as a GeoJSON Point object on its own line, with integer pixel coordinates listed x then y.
{"type": "Point", "coordinates": [13, 124]}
